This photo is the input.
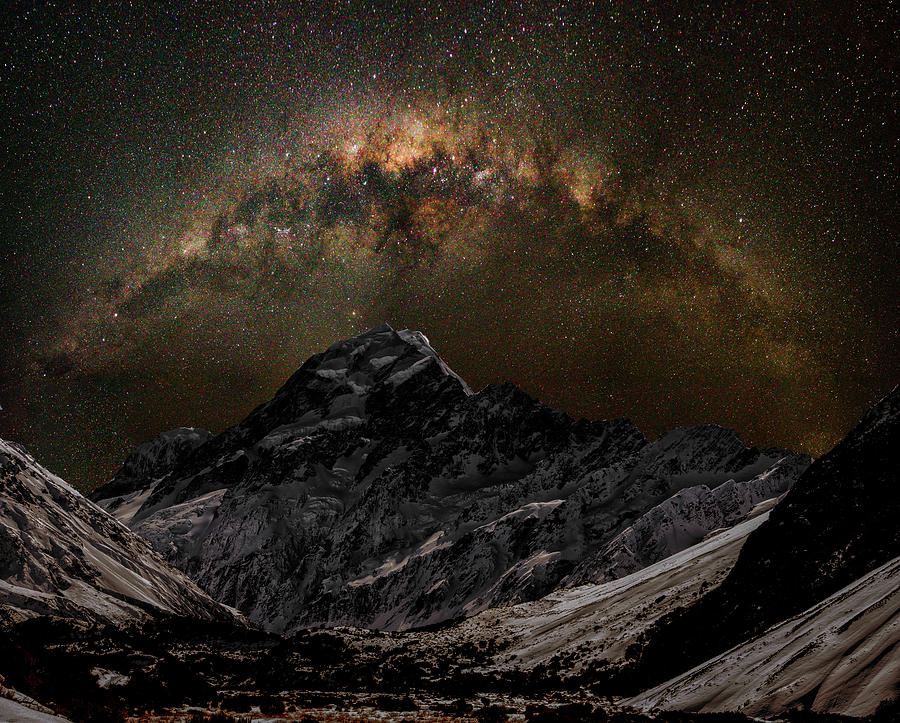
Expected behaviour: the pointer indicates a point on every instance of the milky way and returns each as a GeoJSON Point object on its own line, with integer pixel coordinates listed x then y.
{"type": "Point", "coordinates": [677, 216]}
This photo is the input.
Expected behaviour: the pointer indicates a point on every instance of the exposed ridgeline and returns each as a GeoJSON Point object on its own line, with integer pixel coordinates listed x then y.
{"type": "Point", "coordinates": [376, 489]}
{"type": "Point", "coordinates": [838, 523]}
{"type": "Point", "coordinates": [62, 555]}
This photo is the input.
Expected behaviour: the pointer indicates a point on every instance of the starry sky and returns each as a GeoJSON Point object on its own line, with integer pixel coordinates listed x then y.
{"type": "Point", "coordinates": [675, 212]}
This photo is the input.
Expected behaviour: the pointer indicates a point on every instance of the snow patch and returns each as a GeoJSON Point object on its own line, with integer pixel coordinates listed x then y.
{"type": "Point", "coordinates": [110, 678]}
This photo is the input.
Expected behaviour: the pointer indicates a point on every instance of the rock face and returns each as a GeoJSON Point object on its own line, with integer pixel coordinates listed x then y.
{"type": "Point", "coordinates": [838, 523]}
{"type": "Point", "coordinates": [155, 458]}
{"type": "Point", "coordinates": [376, 489]}
{"type": "Point", "coordinates": [62, 555]}
{"type": "Point", "coordinates": [688, 516]}
{"type": "Point", "coordinates": [841, 656]}
{"type": "Point", "coordinates": [579, 634]}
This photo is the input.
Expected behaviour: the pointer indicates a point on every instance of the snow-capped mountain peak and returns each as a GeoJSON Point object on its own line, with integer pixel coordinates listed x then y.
{"type": "Point", "coordinates": [375, 489]}
{"type": "Point", "coordinates": [381, 354]}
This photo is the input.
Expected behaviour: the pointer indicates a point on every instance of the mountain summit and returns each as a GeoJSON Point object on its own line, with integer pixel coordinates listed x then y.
{"type": "Point", "coordinates": [376, 489]}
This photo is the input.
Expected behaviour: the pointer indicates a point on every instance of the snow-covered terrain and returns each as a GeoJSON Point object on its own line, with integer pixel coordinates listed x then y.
{"type": "Point", "coordinates": [13, 712]}
{"type": "Point", "coordinates": [684, 519]}
{"type": "Point", "coordinates": [153, 458]}
{"type": "Point", "coordinates": [836, 525]}
{"type": "Point", "coordinates": [376, 489]}
{"type": "Point", "coordinates": [15, 707]}
{"type": "Point", "coordinates": [61, 554]}
{"type": "Point", "coordinates": [839, 656]}
{"type": "Point", "coordinates": [592, 624]}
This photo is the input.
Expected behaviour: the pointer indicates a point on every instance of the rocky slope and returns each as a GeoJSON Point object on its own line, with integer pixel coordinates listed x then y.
{"type": "Point", "coordinates": [836, 525]}
{"type": "Point", "coordinates": [376, 489]}
{"type": "Point", "coordinates": [842, 655]}
{"type": "Point", "coordinates": [578, 636]}
{"type": "Point", "coordinates": [685, 518]}
{"type": "Point", "coordinates": [154, 458]}
{"type": "Point", "coordinates": [62, 555]}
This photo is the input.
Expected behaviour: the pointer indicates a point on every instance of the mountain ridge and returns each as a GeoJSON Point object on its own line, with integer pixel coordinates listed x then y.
{"type": "Point", "coordinates": [376, 489]}
{"type": "Point", "coordinates": [62, 555]}
{"type": "Point", "coordinates": [839, 522]}
{"type": "Point", "coordinates": [517, 547]}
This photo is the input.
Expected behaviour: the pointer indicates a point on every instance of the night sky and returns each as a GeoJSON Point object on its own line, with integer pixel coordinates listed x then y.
{"type": "Point", "coordinates": [679, 214]}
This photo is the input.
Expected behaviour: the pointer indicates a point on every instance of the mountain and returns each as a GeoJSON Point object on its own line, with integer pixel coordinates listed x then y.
{"type": "Point", "coordinates": [155, 457]}
{"type": "Point", "coordinates": [62, 555]}
{"type": "Point", "coordinates": [842, 655]}
{"type": "Point", "coordinates": [577, 636]}
{"type": "Point", "coordinates": [833, 538]}
{"type": "Point", "coordinates": [574, 559]}
{"type": "Point", "coordinates": [686, 518]}
{"type": "Point", "coordinates": [377, 490]}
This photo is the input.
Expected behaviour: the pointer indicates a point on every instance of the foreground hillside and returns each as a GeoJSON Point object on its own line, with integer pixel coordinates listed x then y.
{"type": "Point", "coordinates": [836, 526]}
{"type": "Point", "coordinates": [842, 655]}
{"type": "Point", "coordinates": [62, 555]}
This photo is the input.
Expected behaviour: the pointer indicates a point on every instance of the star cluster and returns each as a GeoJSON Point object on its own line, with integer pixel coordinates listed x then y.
{"type": "Point", "coordinates": [679, 214]}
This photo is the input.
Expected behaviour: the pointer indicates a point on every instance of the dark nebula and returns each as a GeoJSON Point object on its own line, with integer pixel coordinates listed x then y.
{"type": "Point", "coordinates": [678, 215]}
